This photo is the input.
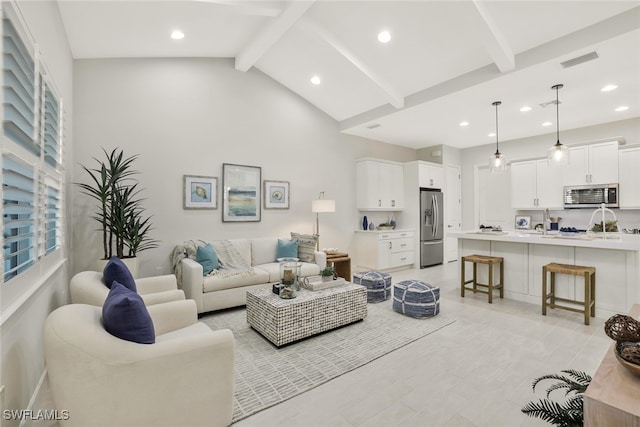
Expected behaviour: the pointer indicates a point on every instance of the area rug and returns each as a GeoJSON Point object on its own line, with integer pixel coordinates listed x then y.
{"type": "Point", "coordinates": [266, 375]}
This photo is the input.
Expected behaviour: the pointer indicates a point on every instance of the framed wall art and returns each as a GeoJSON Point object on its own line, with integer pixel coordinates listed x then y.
{"type": "Point", "coordinates": [200, 192]}
{"type": "Point", "coordinates": [523, 222]}
{"type": "Point", "coordinates": [276, 194]}
{"type": "Point", "coordinates": [241, 193]}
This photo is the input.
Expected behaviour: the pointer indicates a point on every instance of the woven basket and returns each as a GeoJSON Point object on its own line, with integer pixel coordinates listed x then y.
{"type": "Point", "coordinates": [628, 354]}
{"type": "Point", "coordinates": [625, 330]}
{"type": "Point", "coordinates": [621, 327]}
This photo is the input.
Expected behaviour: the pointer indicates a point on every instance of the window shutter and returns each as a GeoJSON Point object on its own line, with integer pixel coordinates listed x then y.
{"type": "Point", "coordinates": [51, 123]}
{"type": "Point", "coordinates": [51, 215]}
{"type": "Point", "coordinates": [18, 215]}
{"type": "Point", "coordinates": [19, 90]}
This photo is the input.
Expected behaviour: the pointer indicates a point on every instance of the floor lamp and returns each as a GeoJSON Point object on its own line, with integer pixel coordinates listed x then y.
{"type": "Point", "coordinates": [321, 205]}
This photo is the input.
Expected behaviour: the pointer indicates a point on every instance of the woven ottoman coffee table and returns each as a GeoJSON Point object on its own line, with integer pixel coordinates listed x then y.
{"type": "Point", "coordinates": [283, 321]}
{"type": "Point", "coordinates": [378, 284]}
{"type": "Point", "coordinates": [416, 299]}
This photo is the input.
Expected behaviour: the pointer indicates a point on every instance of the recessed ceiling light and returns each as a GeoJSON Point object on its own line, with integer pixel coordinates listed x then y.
{"type": "Point", "coordinates": [315, 80]}
{"type": "Point", "coordinates": [547, 124]}
{"type": "Point", "coordinates": [177, 35]}
{"type": "Point", "coordinates": [609, 88]}
{"type": "Point", "coordinates": [384, 36]}
{"type": "Point", "coordinates": [465, 123]}
{"type": "Point", "coordinates": [525, 109]}
{"type": "Point", "coordinates": [491, 135]}
{"type": "Point", "coordinates": [622, 108]}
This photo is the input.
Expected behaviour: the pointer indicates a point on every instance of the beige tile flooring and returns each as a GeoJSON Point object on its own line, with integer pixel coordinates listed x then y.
{"type": "Point", "coordinates": [475, 372]}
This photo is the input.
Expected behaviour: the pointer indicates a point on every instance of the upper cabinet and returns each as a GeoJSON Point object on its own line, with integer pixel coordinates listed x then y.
{"type": "Point", "coordinates": [536, 185]}
{"type": "Point", "coordinates": [592, 164]}
{"type": "Point", "coordinates": [430, 176]}
{"type": "Point", "coordinates": [629, 160]}
{"type": "Point", "coordinates": [379, 185]}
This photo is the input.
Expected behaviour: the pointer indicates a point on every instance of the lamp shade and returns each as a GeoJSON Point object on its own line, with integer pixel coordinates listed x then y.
{"type": "Point", "coordinates": [323, 205]}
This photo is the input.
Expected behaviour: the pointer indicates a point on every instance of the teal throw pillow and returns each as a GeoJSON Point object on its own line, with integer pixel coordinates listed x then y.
{"type": "Point", "coordinates": [287, 249]}
{"type": "Point", "coordinates": [207, 256]}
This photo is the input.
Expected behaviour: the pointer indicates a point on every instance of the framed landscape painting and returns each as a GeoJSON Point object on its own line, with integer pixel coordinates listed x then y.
{"type": "Point", "coordinates": [200, 192]}
{"type": "Point", "coordinates": [276, 194]}
{"type": "Point", "coordinates": [241, 193]}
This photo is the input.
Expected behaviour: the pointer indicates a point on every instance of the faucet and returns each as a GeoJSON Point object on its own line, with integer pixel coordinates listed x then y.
{"type": "Point", "coordinates": [545, 221]}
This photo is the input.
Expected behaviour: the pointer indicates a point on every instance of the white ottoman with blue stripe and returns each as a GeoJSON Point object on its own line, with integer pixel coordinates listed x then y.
{"type": "Point", "coordinates": [416, 299]}
{"type": "Point", "coordinates": [378, 284]}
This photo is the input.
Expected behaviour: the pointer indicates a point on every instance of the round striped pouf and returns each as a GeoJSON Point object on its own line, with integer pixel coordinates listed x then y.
{"type": "Point", "coordinates": [378, 284]}
{"type": "Point", "coordinates": [416, 299]}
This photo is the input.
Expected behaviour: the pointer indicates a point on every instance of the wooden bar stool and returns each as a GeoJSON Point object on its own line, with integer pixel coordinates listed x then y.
{"type": "Point", "coordinates": [549, 299]}
{"type": "Point", "coordinates": [489, 261]}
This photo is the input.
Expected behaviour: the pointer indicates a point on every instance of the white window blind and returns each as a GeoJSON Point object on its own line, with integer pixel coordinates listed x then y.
{"type": "Point", "coordinates": [51, 215]}
{"type": "Point", "coordinates": [51, 127]}
{"type": "Point", "coordinates": [18, 215]}
{"type": "Point", "coordinates": [19, 122]}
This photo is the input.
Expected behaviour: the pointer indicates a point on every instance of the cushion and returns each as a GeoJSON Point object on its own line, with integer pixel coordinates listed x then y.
{"type": "Point", "coordinates": [416, 299]}
{"type": "Point", "coordinates": [207, 257]}
{"type": "Point", "coordinates": [287, 249]}
{"type": "Point", "coordinates": [116, 270]}
{"type": "Point", "coordinates": [263, 250]}
{"type": "Point", "coordinates": [125, 316]}
{"type": "Point", "coordinates": [306, 246]}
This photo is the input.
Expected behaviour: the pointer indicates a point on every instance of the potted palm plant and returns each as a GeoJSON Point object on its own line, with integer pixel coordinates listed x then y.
{"type": "Point", "coordinates": [124, 226]}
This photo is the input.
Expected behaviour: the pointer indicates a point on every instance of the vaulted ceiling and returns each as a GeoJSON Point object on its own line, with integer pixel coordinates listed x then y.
{"type": "Point", "coordinates": [446, 61]}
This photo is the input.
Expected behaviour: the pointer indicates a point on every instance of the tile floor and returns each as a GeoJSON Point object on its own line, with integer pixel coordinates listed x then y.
{"type": "Point", "coordinates": [476, 372]}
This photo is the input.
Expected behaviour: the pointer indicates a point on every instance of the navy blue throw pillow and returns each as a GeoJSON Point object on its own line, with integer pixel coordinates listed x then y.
{"type": "Point", "coordinates": [125, 316]}
{"type": "Point", "coordinates": [116, 271]}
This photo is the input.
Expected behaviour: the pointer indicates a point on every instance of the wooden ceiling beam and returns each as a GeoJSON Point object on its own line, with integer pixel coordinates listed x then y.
{"type": "Point", "coordinates": [394, 97]}
{"type": "Point", "coordinates": [270, 34]}
{"type": "Point", "coordinates": [496, 43]}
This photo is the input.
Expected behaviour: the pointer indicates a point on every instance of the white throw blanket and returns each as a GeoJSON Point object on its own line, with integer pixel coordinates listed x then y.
{"type": "Point", "coordinates": [231, 262]}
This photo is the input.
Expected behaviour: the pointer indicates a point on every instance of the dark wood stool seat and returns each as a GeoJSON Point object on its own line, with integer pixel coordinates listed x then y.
{"type": "Point", "coordinates": [487, 288]}
{"type": "Point", "coordinates": [549, 298]}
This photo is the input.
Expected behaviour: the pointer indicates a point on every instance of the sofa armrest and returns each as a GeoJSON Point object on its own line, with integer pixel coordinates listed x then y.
{"type": "Point", "coordinates": [321, 259]}
{"type": "Point", "coordinates": [148, 285]}
{"type": "Point", "coordinates": [174, 315]}
{"type": "Point", "coordinates": [192, 281]}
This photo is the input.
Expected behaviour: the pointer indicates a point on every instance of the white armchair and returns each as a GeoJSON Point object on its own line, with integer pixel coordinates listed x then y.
{"type": "Point", "coordinates": [87, 287]}
{"type": "Point", "coordinates": [184, 379]}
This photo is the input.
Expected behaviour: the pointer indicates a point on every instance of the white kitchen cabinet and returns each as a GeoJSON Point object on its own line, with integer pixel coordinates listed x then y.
{"type": "Point", "coordinates": [629, 191]}
{"type": "Point", "coordinates": [430, 175]}
{"type": "Point", "coordinates": [385, 249]}
{"type": "Point", "coordinates": [592, 164]}
{"type": "Point", "coordinates": [379, 186]}
{"type": "Point", "coordinates": [536, 185]}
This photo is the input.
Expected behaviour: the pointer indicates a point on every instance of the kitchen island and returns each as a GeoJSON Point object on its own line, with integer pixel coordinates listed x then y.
{"type": "Point", "coordinates": [617, 263]}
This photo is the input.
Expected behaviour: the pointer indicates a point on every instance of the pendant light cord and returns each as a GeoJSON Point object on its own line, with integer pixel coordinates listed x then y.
{"type": "Point", "coordinates": [557, 116]}
{"type": "Point", "coordinates": [496, 103]}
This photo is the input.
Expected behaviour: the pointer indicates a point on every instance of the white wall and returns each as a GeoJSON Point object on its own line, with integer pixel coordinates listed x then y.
{"type": "Point", "coordinates": [537, 146]}
{"type": "Point", "coordinates": [189, 116]}
{"type": "Point", "coordinates": [22, 351]}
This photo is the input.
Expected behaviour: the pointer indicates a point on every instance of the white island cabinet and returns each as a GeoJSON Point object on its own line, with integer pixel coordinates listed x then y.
{"type": "Point", "coordinates": [617, 263]}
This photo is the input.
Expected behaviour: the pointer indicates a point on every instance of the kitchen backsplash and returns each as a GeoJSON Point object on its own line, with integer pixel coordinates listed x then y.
{"type": "Point", "coordinates": [579, 218]}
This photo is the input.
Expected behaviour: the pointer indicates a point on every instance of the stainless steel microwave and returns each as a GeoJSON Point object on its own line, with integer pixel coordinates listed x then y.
{"type": "Point", "coordinates": [591, 196]}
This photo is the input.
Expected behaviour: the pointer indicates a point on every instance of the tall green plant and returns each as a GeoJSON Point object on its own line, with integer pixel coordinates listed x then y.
{"type": "Point", "coordinates": [120, 212]}
{"type": "Point", "coordinates": [568, 413]}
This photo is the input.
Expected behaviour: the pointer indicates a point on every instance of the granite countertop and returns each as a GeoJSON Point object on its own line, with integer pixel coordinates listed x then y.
{"type": "Point", "coordinates": [628, 242]}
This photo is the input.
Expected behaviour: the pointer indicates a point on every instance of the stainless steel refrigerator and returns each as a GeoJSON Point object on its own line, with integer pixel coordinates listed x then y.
{"type": "Point", "coordinates": [431, 228]}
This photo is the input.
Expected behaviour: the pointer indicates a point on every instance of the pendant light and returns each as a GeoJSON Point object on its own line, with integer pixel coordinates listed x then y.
{"type": "Point", "coordinates": [558, 154]}
{"type": "Point", "coordinates": [497, 162]}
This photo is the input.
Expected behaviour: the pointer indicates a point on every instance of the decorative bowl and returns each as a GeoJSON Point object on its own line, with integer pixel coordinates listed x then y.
{"type": "Point", "coordinates": [385, 227]}
{"type": "Point", "coordinates": [631, 367]}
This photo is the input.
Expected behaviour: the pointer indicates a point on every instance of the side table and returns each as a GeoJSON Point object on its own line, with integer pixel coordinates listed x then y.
{"type": "Point", "coordinates": [342, 263]}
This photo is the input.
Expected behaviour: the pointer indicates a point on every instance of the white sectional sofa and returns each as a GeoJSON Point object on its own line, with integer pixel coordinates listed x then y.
{"type": "Point", "coordinates": [218, 292]}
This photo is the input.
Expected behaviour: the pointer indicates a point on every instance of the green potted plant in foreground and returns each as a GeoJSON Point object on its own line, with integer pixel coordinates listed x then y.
{"type": "Point", "coordinates": [327, 273]}
{"type": "Point", "coordinates": [124, 226]}
{"type": "Point", "coordinates": [564, 414]}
